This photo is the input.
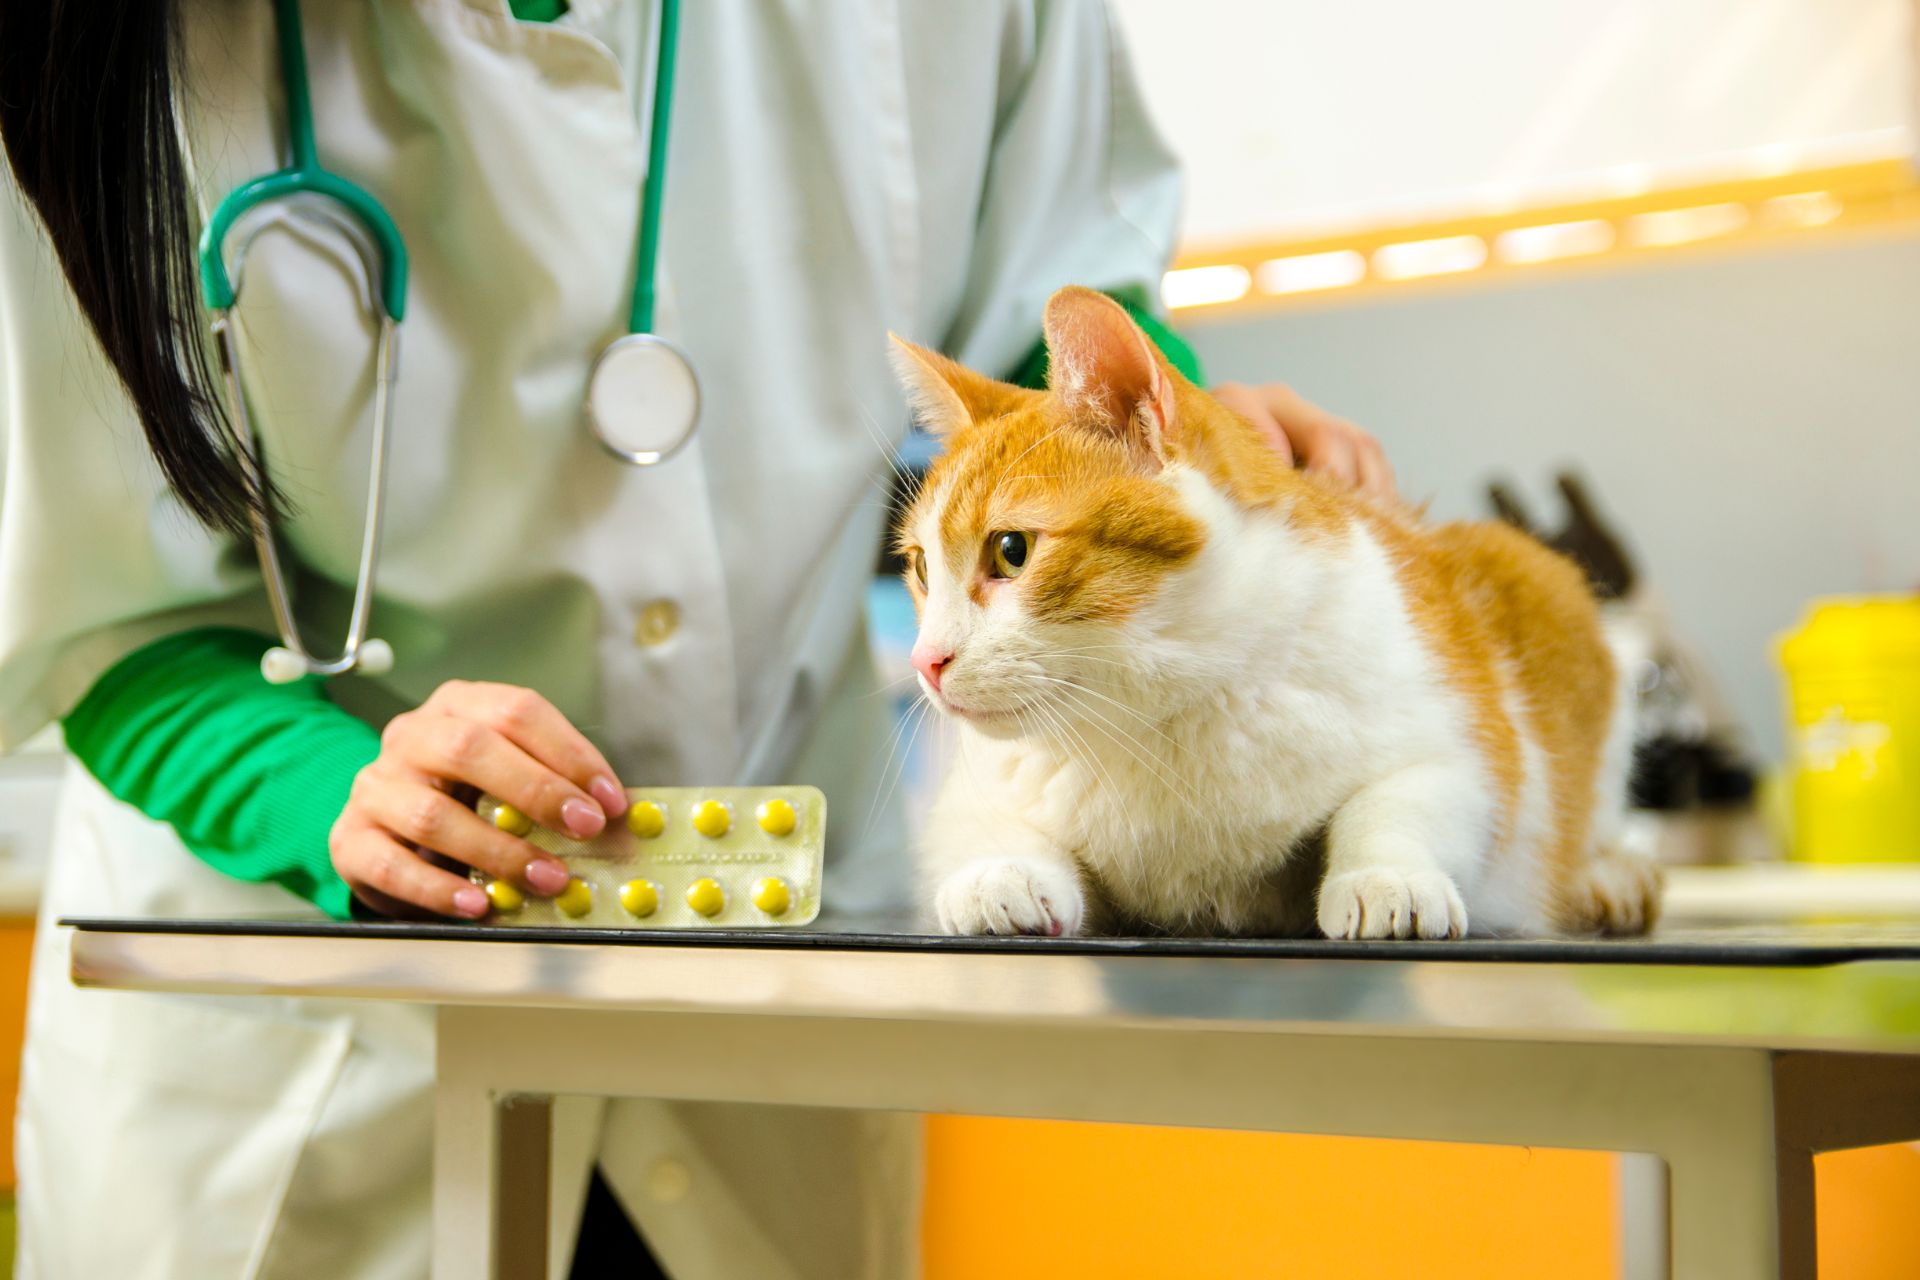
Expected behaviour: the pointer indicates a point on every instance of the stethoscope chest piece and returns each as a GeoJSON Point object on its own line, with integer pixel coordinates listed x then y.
{"type": "Point", "coordinates": [643, 400]}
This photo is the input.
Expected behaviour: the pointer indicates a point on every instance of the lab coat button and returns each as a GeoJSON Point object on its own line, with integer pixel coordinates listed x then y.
{"type": "Point", "coordinates": [659, 622]}
{"type": "Point", "coordinates": [669, 1181]}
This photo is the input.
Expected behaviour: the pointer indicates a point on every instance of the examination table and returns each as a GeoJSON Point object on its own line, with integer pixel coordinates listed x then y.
{"type": "Point", "coordinates": [1731, 1051]}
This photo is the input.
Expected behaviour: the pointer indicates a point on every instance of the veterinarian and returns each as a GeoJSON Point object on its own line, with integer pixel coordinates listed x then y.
{"type": "Point", "coordinates": [932, 169]}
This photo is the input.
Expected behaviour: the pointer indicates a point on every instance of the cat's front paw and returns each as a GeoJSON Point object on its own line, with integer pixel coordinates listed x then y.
{"type": "Point", "coordinates": [1382, 903]}
{"type": "Point", "coordinates": [1011, 896]}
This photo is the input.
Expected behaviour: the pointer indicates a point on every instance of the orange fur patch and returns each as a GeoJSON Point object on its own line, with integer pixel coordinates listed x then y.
{"type": "Point", "coordinates": [1105, 533]}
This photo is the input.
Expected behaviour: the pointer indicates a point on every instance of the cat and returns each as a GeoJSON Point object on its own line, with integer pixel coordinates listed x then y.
{"type": "Point", "coordinates": [1201, 692]}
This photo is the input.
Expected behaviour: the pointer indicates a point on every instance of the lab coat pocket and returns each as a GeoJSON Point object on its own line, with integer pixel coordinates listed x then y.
{"type": "Point", "coordinates": [166, 1130]}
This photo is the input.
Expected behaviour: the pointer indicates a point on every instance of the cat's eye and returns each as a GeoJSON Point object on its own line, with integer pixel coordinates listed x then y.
{"type": "Point", "coordinates": [917, 562]}
{"type": "Point", "coordinates": [1010, 552]}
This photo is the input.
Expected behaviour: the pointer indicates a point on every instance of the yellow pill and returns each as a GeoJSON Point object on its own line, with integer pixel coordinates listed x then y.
{"type": "Point", "coordinates": [772, 895]}
{"type": "Point", "coordinates": [504, 896]}
{"type": "Point", "coordinates": [576, 899]}
{"type": "Point", "coordinates": [640, 897]}
{"type": "Point", "coordinates": [646, 819]}
{"type": "Point", "coordinates": [777, 818]}
{"type": "Point", "coordinates": [706, 896]}
{"type": "Point", "coordinates": [508, 818]}
{"type": "Point", "coordinates": [710, 818]}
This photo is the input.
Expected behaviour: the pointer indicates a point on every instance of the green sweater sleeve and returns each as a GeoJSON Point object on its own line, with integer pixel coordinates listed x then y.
{"type": "Point", "coordinates": [1032, 371]}
{"type": "Point", "coordinates": [251, 775]}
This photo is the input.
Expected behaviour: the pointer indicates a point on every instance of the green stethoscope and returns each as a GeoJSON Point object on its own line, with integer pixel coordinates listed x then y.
{"type": "Point", "coordinates": [642, 401]}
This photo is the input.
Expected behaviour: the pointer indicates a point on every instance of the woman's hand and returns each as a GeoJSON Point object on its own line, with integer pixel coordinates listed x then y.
{"type": "Point", "coordinates": [510, 743]}
{"type": "Point", "coordinates": [1310, 437]}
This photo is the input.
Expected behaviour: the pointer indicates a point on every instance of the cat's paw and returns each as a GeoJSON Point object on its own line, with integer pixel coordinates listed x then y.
{"type": "Point", "coordinates": [1011, 896]}
{"type": "Point", "coordinates": [1381, 903]}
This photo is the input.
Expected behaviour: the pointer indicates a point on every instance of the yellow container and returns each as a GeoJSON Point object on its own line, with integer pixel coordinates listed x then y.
{"type": "Point", "coordinates": [1853, 729]}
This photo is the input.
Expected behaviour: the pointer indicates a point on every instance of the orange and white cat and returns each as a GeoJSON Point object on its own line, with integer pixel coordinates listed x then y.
{"type": "Point", "coordinates": [1201, 692]}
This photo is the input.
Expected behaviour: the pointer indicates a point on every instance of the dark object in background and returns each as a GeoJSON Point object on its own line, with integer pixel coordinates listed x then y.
{"type": "Point", "coordinates": [1685, 753]}
{"type": "Point", "coordinates": [1585, 539]}
{"type": "Point", "coordinates": [1670, 774]}
{"type": "Point", "coordinates": [609, 1244]}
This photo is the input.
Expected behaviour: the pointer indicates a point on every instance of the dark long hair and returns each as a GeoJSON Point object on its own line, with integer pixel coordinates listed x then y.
{"type": "Point", "coordinates": [87, 116]}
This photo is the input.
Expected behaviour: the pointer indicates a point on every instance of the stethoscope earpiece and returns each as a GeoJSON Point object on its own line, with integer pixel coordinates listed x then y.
{"type": "Point", "coordinates": [376, 658]}
{"type": "Point", "coordinates": [281, 665]}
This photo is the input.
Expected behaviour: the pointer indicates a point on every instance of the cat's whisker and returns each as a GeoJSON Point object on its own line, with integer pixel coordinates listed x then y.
{"type": "Point", "coordinates": [1029, 449]}
{"type": "Point", "coordinates": [982, 797]}
{"type": "Point", "coordinates": [1086, 757]}
{"type": "Point", "coordinates": [883, 789]}
{"type": "Point", "coordinates": [888, 450]}
{"type": "Point", "coordinates": [1097, 648]}
{"type": "Point", "coordinates": [879, 785]}
{"type": "Point", "coordinates": [1090, 657]}
{"type": "Point", "coordinates": [1114, 733]}
{"type": "Point", "coordinates": [888, 687]}
{"type": "Point", "coordinates": [906, 482]}
{"type": "Point", "coordinates": [1135, 712]}
{"type": "Point", "coordinates": [1174, 786]}
{"type": "Point", "coordinates": [1132, 668]}
{"type": "Point", "coordinates": [1169, 778]}
{"type": "Point", "coordinates": [906, 755]}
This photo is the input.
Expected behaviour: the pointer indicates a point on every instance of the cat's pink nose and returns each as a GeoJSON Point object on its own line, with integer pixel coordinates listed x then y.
{"type": "Point", "coordinates": [930, 661]}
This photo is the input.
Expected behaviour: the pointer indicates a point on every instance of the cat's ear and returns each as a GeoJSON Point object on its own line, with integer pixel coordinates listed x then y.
{"type": "Point", "coordinates": [1103, 367]}
{"type": "Point", "coordinates": [946, 395]}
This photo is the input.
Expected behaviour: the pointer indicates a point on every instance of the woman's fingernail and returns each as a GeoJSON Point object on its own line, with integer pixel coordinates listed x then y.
{"type": "Point", "coordinates": [470, 902]}
{"type": "Point", "coordinates": [544, 875]}
{"type": "Point", "coordinates": [581, 819]}
{"type": "Point", "coordinates": [613, 801]}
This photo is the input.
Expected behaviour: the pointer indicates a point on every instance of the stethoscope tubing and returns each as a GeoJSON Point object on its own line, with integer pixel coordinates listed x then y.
{"type": "Point", "coordinates": [384, 264]}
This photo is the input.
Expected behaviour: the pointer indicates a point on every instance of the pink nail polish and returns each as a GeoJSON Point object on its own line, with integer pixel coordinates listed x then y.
{"type": "Point", "coordinates": [582, 819]}
{"type": "Point", "coordinates": [612, 800]}
{"type": "Point", "coordinates": [544, 875]}
{"type": "Point", "coordinates": [470, 902]}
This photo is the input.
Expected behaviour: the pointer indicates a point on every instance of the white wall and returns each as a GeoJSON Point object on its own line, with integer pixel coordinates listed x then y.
{"type": "Point", "coordinates": [1297, 114]}
{"type": "Point", "coordinates": [1753, 420]}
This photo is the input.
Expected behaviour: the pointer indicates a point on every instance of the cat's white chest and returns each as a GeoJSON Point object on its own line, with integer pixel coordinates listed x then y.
{"type": "Point", "coordinates": [1183, 826]}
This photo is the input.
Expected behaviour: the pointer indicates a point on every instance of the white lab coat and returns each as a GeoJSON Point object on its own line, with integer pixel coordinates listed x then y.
{"type": "Point", "coordinates": [838, 170]}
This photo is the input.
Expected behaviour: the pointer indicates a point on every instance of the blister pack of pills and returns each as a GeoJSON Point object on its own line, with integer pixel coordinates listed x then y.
{"type": "Point", "coordinates": [681, 858]}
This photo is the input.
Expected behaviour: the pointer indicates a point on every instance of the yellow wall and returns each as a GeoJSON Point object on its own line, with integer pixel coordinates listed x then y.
{"type": "Point", "coordinates": [16, 945]}
{"type": "Point", "coordinates": [1014, 1199]}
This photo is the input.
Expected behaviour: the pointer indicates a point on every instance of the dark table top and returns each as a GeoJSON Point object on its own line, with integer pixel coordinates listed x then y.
{"type": "Point", "coordinates": [1773, 944]}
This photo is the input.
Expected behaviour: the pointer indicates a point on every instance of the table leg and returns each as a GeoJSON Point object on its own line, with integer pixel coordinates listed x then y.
{"type": "Point", "coordinates": [1728, 1204]}
{"type": "Point", "coordinates": [1830, 1102]}
{"type": "Point", "coordinates": [491, 1166]}
{"type": "Point", "coordinates": [1642, 1181]}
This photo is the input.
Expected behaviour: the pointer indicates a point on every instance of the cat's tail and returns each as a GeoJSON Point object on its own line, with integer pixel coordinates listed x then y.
{"type": "Point", "coordinates": [1616, 892]}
